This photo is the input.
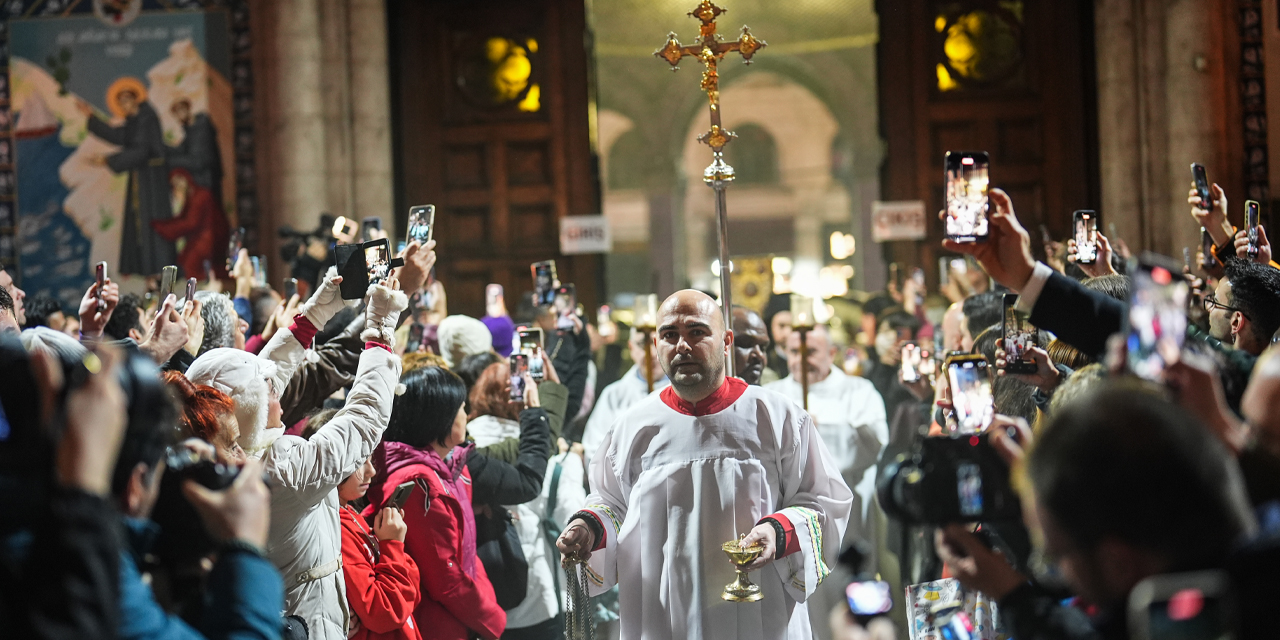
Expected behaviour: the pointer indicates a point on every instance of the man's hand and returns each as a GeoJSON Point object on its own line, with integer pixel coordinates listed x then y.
{"type": "Point", "coordinates": [1006, 255]}
{"type": "Point", "coordinates": [1214, 217]}
{"type": "Point", "coordinates": [1101, 266]}
{"type": "Point", "coordinates": [168, 334]}
{"type": "Point", "coordinates": [96, 419]}
{"type": "Point", "coordinates": [1010, 437]}
{"type": "Point", "coordinates": [531, 400]}
{"type": "Point", "coordinates": [418, 261]}
{"type": "Point", "coordinates": [548, 369]}
{"type": "Point", "coordinates": [242, 271]}
{"type": "Point", "coordinates": [1046, 378]}
{"type": "Point", "coordinates": [973, 564]}
{"type": "Point", "coordinates": [195, 326]}
{"type": "Point", "coordinates": [763, 534]}
{"type": "Point", "coordinates": [1264, 246]}
{"type": "Point", "coordinates": [576, 541]}
{"type": "Point", "coordinates": [92, 319]}
{"type": "Point", "coordinates": [241, 512]}
{"type": "Point", "coordinates": [389, 524]}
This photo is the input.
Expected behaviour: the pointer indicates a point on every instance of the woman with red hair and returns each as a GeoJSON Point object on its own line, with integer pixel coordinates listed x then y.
{"type": "Point", "coordinates": [208, 414]}
{"type": "Point", "coordinates": [201, 221]}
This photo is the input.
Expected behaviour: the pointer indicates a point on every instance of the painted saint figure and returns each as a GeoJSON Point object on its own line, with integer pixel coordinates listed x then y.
{"type": "Point", "coordinates": [199, 220]}
{"type": "Point", "coordinates": [142, 156]}
{"type": "Point", "coordinates": [198, 152]}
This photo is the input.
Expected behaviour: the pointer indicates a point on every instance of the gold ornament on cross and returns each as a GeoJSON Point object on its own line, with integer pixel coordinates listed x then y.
{"type": "Point", "coordinates": [710, 49]}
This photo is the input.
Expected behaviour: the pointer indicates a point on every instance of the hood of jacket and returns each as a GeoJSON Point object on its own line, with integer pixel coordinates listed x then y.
{"type": "Point", "coordinates": [245, 377]}
{"type": "Point", "coordinates": [397, 462]}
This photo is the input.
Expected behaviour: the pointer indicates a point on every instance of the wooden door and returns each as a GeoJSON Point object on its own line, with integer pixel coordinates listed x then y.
{"type": "Point", "coordinates": [1014, 78]}
{"type": "Point", "coordinates": [490, 109]}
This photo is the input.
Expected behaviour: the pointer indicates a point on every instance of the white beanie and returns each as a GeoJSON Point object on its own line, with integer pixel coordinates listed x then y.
{"type": "Point", "coordinates": [244, 377]}
{"type": "Point", "coordinates": [462, 336]}
{"type": "Point", "coordinates": [57, 343]}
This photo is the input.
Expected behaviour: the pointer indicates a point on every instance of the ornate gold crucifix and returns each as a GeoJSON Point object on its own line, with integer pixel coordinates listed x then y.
{"type": "Point", "coordinates": [709, 49]}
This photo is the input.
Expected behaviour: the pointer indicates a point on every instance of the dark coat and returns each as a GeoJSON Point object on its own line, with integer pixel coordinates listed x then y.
{"type": "Point", "coordinates": [142, 156]}
{"type": "Point", "coordinates": [198, 153]}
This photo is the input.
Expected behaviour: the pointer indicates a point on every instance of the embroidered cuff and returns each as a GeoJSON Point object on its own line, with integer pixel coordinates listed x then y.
{"type": "Point", "coordinates": [787, 542]}
{"type": "Point", "coordinates": [303, 330]}
{"type": "Point", "coordinates": [594, 524]}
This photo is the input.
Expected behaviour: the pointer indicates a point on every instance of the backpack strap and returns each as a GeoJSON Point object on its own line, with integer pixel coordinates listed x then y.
{"type": "Point", "coordinates": [551, 528]}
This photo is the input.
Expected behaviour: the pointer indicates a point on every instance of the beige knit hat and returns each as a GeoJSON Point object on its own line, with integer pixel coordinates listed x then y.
{"type": "Point", "coordinates": [462, 336]}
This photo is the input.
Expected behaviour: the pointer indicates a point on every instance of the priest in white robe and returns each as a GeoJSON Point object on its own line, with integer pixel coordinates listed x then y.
{"type": "Point", "coordinates": [694, 466]}
{"type": "Point", "coordinates": [620, 395]}
{"type": "Point", "coordinates": [850, 416]}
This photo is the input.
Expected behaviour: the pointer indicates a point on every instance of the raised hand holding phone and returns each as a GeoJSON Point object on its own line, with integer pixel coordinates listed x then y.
{"type": "Point", "coordinates": [1006, 255]}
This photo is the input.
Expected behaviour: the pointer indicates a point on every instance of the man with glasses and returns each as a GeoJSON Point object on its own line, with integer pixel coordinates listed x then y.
{"type": "Point", "coordinates": [1244, 309]}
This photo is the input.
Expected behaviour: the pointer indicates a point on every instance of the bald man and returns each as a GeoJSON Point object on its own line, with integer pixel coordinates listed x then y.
{"type": "Point", "coordinates": [751, 347]}
{"type": "Point", "coordinates": [704, 461]}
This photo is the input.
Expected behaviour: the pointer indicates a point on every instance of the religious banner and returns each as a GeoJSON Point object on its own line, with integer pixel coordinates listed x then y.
{"type": "Point", "coordinates": [901, 220]}
{"type": "Point", "coordinates": [123, 128]}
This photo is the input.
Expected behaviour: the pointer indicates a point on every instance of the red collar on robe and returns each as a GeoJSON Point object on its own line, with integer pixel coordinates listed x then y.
{"type": "Point", "coordinates": [718, 401]}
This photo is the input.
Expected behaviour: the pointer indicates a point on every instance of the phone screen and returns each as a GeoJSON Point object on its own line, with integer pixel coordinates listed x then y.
{"type": "Point", "coordinates": [1189, 615]}
{"type": "Point", "coordinates": [260, 270]}
{"type": "Point", "coordinates": [494, 305]}
{"type": "Point", "coordinates": [368, 225]}
{"type": "Point", "coordinates": [1251, 210]}
{"type": "Point", "coordinates": [1019, 337]}
{"type": "Point", "coordinates": [168, 279]}
{"type": "Point", "coordinates": [531, 347]}
{"type": "Point", "coordinates": [971, 394]}
{"type": "Point", "coordinates": [868, 598]}
{"type": "Point", "coordinates": [100, 274]}
{"type": "Point", "coordinates": [191, 289]}
{"type": "Point", "coordinates": [1206, 247]}
{"type": "Point", "coordinates": [1201, 179]}
{"type": "Point", "coordinates": [564, 303]}
{"type": "Point", "coordinates": [416, 332]}
{"type": "Point", "coordinates": [910, 363]}
{"type": "Point", "coordinates": [234, 245]}
{"type": "Point", "coordinates": [422, 222]}
{"type": "Point", "coordinates": [377, 259]}
{"type": "Point", "coordinates": [1157, 317]}
{"type": "Point", "coordinates": [290, 288]}
{"type": "Point", "coordinates": [966, 192]}
{"type": "Point", "coordinates": [544, 282]}
{"type": "Point", "coordinates": [519, 367]}
{"type": "Point", "coordinates": [1085, 230]}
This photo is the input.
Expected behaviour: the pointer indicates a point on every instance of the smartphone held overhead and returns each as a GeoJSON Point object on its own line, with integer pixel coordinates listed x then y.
{"type": "Point", "coordinates": [1019, 337]}
{"type": "Point", "coordinates": [1157, 316]}
{"type": "Point", "coordinates": [421, 225]}
{"type": "Point", "coordinates": [1084, 230]}
{"type": "Point", "coordinates": [967, 183]}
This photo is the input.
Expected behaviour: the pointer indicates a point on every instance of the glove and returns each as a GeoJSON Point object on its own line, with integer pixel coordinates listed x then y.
{"type": "Point", "coordinates": [381, 313]}
{"type": "Point", "coordinates": [325, 302]}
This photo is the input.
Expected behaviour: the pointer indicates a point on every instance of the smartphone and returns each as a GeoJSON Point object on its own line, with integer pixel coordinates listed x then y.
{"type": "Point", "coordinates": [368, 225]}
{"type": "Point", "coordinates": [564, 303]}
{"type": "Point", "coordinates": [927, 365]}
{"type": "Point", "coordinates": [531, 346]}
{"type": "Point", "coordinates": [519, 366]}
{"type": "Point", "coordinates": [1209, 260]}
{"type": "Point", "coordinates": [400, 496]}
{"type": "Point", "coordinates": [422, 223]}
{"type": "Point", "coordinates": [1201, 180]}
{"type": "Point", "coordinates": [910, 362]}
{"type": "Point", "coordinates": [100, 273]}
{"type": "Point", "coordinates": [168, 279]}
{"type": "Point", "coordinates": [1157, 322]}
{"type": "Point", "coordinates": [191, 290]}
{"type": "Point", "coordinates": [494, 304]}
{"type": "Point", "coordinates": [869, 598]}
{"type": "Point", "coordinates": [417, 331]}
{"type": "Point", "coordinates": [377, 260]}
{"type": "Point", "coordinates": [1186, 259]}
{"type": "Point", "coordinates": [1182, 606]}
{"type": "Point", "coordinates": [343, 228]}
{"type": "Point", "coordinates": [1251, 210]}
{"type": "Point", "coordinates": [970, 393]}
{"type": "Point", "coordinates": [1019, 337]}
{"type": "Point", "coordinates": [966, 191]}
{"type": "Point", "coordinates": [544, 282]}
{"type": "Point", "coordinates": [290, 289]}
{"type": "Point", "coordinates": [234, 245]}
{"type": "Point", "coordinates": [1084, 227]}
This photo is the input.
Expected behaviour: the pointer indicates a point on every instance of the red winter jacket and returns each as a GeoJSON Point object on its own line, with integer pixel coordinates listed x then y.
{"type": "Point", "coordinates": [457, 599]}
{"type": "Point", "coordinates": [382, 591]}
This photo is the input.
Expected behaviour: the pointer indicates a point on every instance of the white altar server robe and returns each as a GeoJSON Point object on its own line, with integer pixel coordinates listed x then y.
{"type": "Point", "coordinates": [672, 482]}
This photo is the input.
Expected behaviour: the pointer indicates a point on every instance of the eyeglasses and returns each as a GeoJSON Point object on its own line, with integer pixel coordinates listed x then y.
{"type": "Point", "coordinates": [1211, 301]}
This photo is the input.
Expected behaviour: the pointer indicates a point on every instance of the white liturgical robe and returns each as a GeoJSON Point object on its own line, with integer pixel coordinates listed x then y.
{"type": "Point", "coordinates": [673, 482]}
{"type": "Point", "coordinates": [851, 420]}
{"type": "Point", "coordinates": [614, 400]}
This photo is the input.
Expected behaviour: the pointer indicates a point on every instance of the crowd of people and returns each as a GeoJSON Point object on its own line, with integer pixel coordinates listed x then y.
{"type": "Point", "coordinates": [242, 465]}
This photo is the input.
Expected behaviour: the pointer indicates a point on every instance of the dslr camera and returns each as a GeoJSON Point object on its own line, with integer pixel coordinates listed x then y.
{"type": "Point", "coordinates": [960, 479]}
{"type": "Point", "coordinates": [182, 535]}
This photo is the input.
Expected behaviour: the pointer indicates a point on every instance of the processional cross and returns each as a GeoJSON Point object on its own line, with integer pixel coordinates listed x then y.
{"type": "Point", "coordinates": [710, 49]}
